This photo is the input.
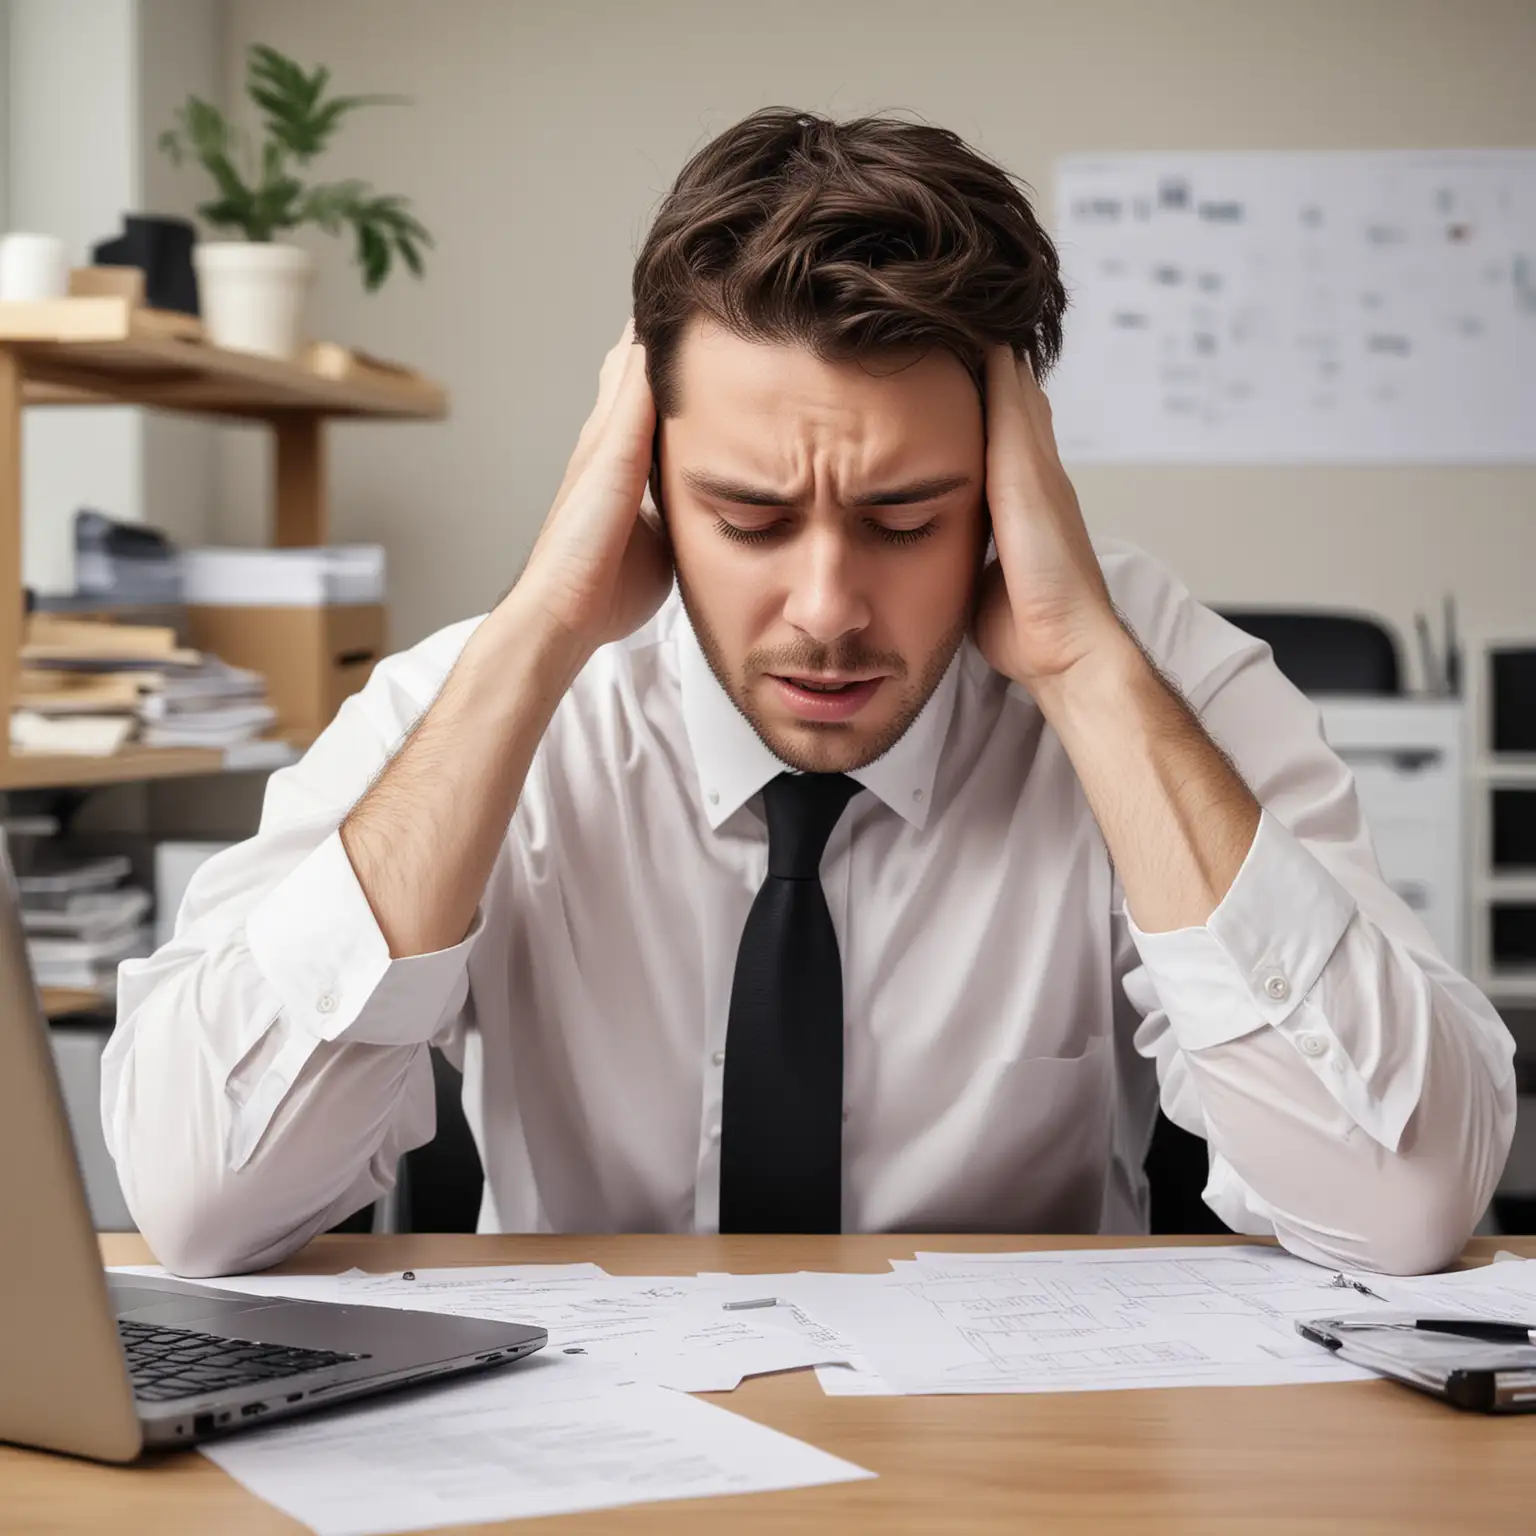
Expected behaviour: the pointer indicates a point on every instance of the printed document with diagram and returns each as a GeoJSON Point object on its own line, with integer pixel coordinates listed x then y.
{"type": "Point", "coordinates": [1090, 1320]}
{"type": "Point", "coordinates": [549, 1435]}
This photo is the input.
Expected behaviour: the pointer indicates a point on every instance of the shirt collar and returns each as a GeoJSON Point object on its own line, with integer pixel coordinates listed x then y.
{"type": "Point", "coordinates": [733, 763]}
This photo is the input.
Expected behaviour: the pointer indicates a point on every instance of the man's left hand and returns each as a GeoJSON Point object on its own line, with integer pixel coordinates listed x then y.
{"type": "Point", "coordinates": [1044, 605]}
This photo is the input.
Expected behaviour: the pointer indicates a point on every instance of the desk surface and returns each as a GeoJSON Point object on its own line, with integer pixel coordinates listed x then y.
{"type": "Point", "coordinates": [1365, 1457]}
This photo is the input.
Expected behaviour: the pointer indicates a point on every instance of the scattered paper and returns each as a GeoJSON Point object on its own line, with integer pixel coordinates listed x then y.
{"type": "Point", "coordinates": [1085, 1321]}
{"type": "Point", "coordinates": [1090, 1320]}
{"type": "Point", "coordinates": [670, 1331]}
{"type": "Point", "coordinates": [1505, 1292]}
{"type": "Point", "coordinates": [548, 1436]}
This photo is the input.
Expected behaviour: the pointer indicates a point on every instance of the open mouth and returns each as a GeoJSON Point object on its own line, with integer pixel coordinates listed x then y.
{"type": "Point", "coordinates": [827, 698]}
{"type": "Point", "coordinates": [814, 685]}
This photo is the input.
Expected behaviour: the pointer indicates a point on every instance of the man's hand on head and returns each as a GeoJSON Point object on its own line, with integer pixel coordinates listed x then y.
{"type": "Point", "coordinates": [1044, 606]}
{"type": "Point", "coordinates": [601, 565]}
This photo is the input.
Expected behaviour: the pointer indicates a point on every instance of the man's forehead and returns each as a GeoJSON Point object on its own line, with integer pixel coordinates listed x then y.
{"type": "Point", "coordinates": [740, 392]}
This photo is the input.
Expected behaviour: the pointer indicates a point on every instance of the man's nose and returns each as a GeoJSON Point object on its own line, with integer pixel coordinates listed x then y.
{"type": "Point", "coordinates": [826, 595]}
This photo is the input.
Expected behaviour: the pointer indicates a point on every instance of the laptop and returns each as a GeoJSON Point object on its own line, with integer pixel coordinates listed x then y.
{"type": "Point", "coordinates": [108, 1365]}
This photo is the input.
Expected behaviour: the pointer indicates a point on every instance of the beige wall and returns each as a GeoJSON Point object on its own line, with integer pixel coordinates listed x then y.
{"type": "Point", "coordinates": [544, 131]}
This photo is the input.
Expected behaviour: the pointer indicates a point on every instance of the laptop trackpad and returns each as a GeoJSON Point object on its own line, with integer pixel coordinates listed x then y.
{"type": "Point", "coordinates": [184, 1309]}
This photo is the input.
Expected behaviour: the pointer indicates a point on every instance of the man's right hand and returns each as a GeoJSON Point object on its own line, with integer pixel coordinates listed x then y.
{"type": "Point", "coordinates": [424, 837]}
{"type": "Point", "coordinates": [601, 565]}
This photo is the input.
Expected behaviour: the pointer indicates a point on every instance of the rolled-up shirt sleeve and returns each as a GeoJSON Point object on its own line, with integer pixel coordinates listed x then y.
{"type": "Point", "coordinates": [1356, 1092]}
{"type": "Point", "coordinates": [268, 1068]}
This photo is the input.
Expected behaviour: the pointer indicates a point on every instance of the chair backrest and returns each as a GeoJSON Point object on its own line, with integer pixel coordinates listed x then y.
{"type": "Point", "coordinates": [1325, 652]}
{"type": "Point", "coordinates": [441, 1182]}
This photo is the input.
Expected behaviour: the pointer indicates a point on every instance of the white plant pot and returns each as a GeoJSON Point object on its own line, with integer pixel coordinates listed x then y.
{"type": "Point", "coordinates": [252, 294]}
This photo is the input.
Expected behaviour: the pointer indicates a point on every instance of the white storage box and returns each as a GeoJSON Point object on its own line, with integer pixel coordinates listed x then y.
{"type": "Point", "coordinates": [275, 578]}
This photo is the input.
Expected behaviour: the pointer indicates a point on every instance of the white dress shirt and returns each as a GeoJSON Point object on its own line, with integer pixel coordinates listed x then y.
{"type": "Point", "coordinates": [1007, 1025]}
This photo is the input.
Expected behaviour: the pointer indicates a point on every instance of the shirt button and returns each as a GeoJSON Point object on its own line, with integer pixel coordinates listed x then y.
{"type": "Point", "coordinates": [917, 794]}
{"type": "Point", "coordinates": [718, 1058]}
{"type": "Point", "coordinates": [1312, 1045]}
{"type": "Point", "coordinates": [714, 1133]}
{"type": "Point", "coordinates": [714, 797]}
{"type": "Point", "coordinates": [326, 1002]}
{"type": "Point", "coordinates": [1277, 987]}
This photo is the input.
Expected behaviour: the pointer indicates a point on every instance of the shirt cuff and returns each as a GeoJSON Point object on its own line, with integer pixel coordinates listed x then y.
{"type": "Point", "coordinates": [1260, 953]}
{"type": "Point", "coordinates": [317, 943]}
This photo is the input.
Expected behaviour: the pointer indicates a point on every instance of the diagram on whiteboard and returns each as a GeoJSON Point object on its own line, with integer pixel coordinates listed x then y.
{"type": "Point", "coordinates": [1332, 307]}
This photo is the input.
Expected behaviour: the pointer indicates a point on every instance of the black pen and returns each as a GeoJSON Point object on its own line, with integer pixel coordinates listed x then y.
{"type": "Point", "coordinates": [1476, 1328]}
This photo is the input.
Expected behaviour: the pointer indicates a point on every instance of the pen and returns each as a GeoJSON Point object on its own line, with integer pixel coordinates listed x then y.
{"type": "Point", "coordinates": [1477, 1328]}
{"type": "Point", "coordinates": [746, 1306]}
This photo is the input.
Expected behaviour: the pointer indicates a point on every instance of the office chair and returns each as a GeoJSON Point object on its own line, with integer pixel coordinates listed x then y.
{"type": "Point", "coordinates": [1324, 652]}
{"type": "Point", "coordinates": [439, 1184]}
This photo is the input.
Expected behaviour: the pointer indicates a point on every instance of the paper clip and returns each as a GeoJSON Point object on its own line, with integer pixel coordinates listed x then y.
{"type": "Point", "coordinates": [1342, 1282]}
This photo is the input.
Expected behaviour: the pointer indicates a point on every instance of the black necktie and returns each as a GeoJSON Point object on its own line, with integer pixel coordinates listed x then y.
{"type": "Point", "coordinates": [781, 1149]}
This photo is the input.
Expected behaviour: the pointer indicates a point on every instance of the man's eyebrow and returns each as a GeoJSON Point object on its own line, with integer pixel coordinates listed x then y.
{"type": "Point", "coordinates": [913, 491]}
{"type": "Point", "coordinates": [724, 488]}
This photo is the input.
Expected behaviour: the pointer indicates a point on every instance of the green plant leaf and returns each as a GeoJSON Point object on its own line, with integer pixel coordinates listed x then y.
{"type": "Point", "coordinates": [373, 254]}
{"type": "Point", "coordinates": [299, 122]}
{"type": "Point", "coordinates": [226, 214]}
{"type": "Point", "coordinates": [410, 255]}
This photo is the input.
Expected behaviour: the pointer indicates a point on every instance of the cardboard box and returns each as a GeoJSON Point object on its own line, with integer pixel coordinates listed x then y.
{"type": "Point", "coordinates": [312, 658]}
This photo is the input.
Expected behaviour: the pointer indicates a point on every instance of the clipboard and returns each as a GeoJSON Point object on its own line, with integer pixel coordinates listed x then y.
{"type": "Point", "coordinates": [1472, 1374]}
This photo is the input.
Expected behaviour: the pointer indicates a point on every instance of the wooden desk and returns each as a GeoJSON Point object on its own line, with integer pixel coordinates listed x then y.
{"type": "Point", "coordinates": [1359, 1458]}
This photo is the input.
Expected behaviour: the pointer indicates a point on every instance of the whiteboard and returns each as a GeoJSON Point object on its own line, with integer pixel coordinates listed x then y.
{"type": "Point", "coordinates": [1335, 307]}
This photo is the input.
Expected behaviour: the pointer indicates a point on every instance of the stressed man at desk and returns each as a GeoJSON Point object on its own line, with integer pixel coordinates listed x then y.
{"type": "Point", "coordinates": [864, 881]}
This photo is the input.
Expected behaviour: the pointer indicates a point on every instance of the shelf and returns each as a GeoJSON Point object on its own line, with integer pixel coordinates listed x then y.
{"type": "Point", "coordinates": [1510, 987]}
{"type": "Point", "coordinates": [100, 350]}
{"type": "Point", "coordinates": [48, 770]}
{"type": "Point", "coordinates": [1507, 887]}
{"type": "Point", "coordinates": [1513, 772]}
{"type": "Point", "coordinates": [58, 1001]}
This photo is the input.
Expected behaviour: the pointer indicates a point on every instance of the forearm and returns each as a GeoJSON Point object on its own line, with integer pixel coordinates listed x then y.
{"type": "Point", "coordinates": [424, 837]}
{"type": "Point", "coordinates": [206, 1203]}
{"type": "Point", "coordinates": [1329, 1190]}
{"type": "Point", "coordinates": [1176, 816]}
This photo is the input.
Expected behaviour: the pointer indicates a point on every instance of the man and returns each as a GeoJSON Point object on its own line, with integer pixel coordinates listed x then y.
{"type": "Point", "coordinates": [865, 884]}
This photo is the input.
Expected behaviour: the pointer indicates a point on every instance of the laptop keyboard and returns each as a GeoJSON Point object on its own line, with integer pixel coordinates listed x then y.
{"type": "Point", "coordinates": [176, 1362]}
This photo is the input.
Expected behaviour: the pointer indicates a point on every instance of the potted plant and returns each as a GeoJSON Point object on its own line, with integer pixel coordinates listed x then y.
{"type": "Point", "coordinates": [252, 290]}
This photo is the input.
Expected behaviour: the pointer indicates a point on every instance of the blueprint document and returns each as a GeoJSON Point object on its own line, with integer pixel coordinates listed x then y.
{"type": "Point", "coordinates": [1080, 1321]}
{"type": "Point", "coordinates": [671, 1331]}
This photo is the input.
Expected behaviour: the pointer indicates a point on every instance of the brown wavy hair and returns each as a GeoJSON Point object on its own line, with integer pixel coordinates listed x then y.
{"type": "Point", "coordinates": [853, 239]}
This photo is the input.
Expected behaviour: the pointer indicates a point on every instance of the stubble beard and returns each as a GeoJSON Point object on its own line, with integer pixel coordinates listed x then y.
{"type": "Point", "coordinates": [829, 747]}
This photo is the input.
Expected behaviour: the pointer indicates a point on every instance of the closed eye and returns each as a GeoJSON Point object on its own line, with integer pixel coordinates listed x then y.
{"type": "Point", "coordinates": [739, 535]}
{"type": "Point", "coordinates": [900, 536]}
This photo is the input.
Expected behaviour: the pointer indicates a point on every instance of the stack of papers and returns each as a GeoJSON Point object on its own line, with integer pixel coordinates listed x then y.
{"type": "Point", "coordinates": [81, 920]}
{"type": "Point", "coordinates": [213, 705]}
{"type": "Point", "coordinates": [81, 681]}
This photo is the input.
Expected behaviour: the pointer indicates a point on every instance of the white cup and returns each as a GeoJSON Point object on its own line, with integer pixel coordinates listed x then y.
{"type": "Point", "coordinates": [32, 267]}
